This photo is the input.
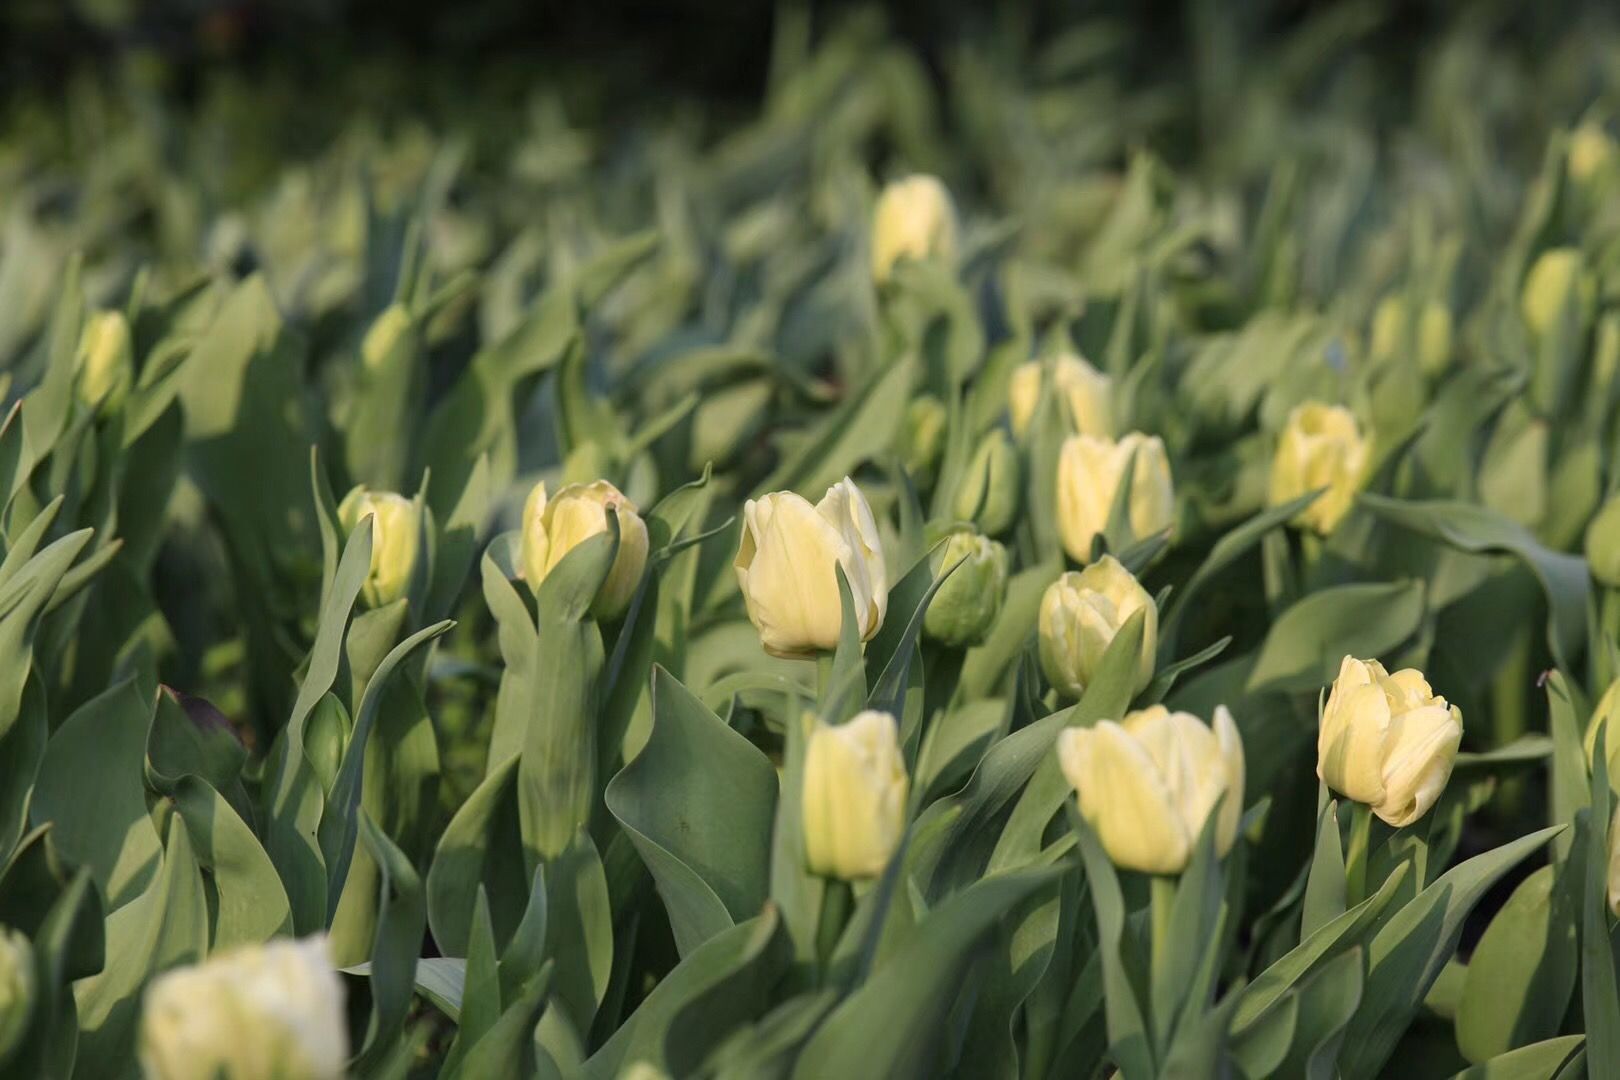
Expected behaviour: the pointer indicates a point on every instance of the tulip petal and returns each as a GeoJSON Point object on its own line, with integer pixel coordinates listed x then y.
{"type": "Point", "coordinates": [789, 584]}
{"type": "Point", "coordinates": [1421, 747]}
{"type": "Point", "coordinates": [1231, 744]}
{"type": "Point", "coordinates": [1350, 750]}
{"type": "Point", "coordinates": [1124, 798]}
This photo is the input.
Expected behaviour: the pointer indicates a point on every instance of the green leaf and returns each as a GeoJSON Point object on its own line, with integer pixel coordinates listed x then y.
{"type": "Point", "coordinates": [1538, 1061]}
{"type": "Point", "coordinates": [707, 844]}
{"type": "Point", "coordinates": [1600, 997]}
{"type": "Point", "coordinates": [579, 930]}
{"type": "Point", "coordinates": [1307, 642]}
{"type": "Point", "coordinates": [401, 918]}
{"type": "Point", "coordinates": [248, 903]}
{"type": "Point", "coordinates": [480, 847]}
{"type": "Point", "coordinates": [1129, 1039]}
{"type": "Point", "coordinates": [858, 430]}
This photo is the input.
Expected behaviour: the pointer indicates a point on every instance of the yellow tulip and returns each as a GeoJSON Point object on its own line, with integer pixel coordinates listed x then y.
{"type": "Point", "coordinates": [395, 539]}
{"type": "Point", "coordinates": [787, 568]}
{"type": "Point", "coordinates": [1393, 333]}
{"type": "Point", "coordinates": [1320, 447]}
{"type": "Point", "coordinates": [854, 796]}
{"type": "Point", "coordinates": [1148, 784]}
{"type": "Point", "coordinates": [554, 527]}
{"type": "Point", "coordinates": [1557, 279]}
{"type": "Point", "coordinates": [16, 988]}
{"type": "Point", "coordinates": [383, 335]}
{"type": "Point", "coordinates": [1591, 151]}
{"type": "Point", "coordinates": [1614, 862]}
{"type": "Point", "coordinates": [1080, 614]}
{"type": "Point", "coordinates": [1090, 469]}
{"type": "Point", "coordinates": [1387, 740]}
{"type": "Point", "coordinates": [106, 358]}
{"type": "Point", "coordinates": [1087, 392]}
{"type": "Point", "coordinates": [914, 219]}
{"type": "Point", "coordinates": [1606, 710]}
{"type": "Point", "coordinates": [1603, 543]}
{"type": "Point", "coordinates": [268, 1012]}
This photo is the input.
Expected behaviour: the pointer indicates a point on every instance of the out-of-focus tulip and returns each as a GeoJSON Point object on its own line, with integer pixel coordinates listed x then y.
{"type": "Point", "coordinates": [1321, 447]}
{"type": "Point", "coordinates": [395, 540]}
{"type": "Point", "coordinates": [966, 605]}
{"type": "Point", "coordinates": [787, 568]}
{"type": "Point", "coordinates": [1556, 280]}
{"type": "Point", "coordinates": [914, 219]}
{"type": "Point", "coordinates": [1090, 469]}
{"type": "Point", "coordinates": [1603, 543]}
{"type": "Point", "coordinates": [16, 988]}
{"type": "Point", "coordinates": [1592, 152]}
{"type": "Point", "coordinates": [1087, 393]}
{"type": "Point", "coordinates": [553, 527]}
{"type": "Point", "coordinates": [923, 437]}
{"type": "Point", "coordinates": [1080, 614]}
{"type": "Point", "coordinates": [992, 486]}
{"type": "Point", "coordinates": [1148, 784]}
{"type": "Point", "coordinates": [1428, 342]}
{"type": "Point", "coordinates": [106, 359]}
{"type": "Point", "coordinates": [1614, 862]}
{"type": "Point", "coordinates": [854, 796]}
{"type": "Point", "coordinates": [384, 333]}
{"type": "Point", "coordinates": [266, 1012]}
{"type": "Point", "coordinates": [1387, 740]}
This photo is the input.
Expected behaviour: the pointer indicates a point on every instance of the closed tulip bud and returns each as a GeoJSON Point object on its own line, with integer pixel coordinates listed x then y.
{"type": "Point", "coordinates": [265, 1012]}
{"type": "Point", "coordinates": [1080, 614]}
{"type": "Point", "coordinates": [384, 334]}
{"type": "Point", "coordinates": [966, 604]}
{"type": "Point", "coordinates": [395, 540]}
{"type": "Point", "coordinates": [1086, 392]}
{"type": "Point", "coordinates": [1603, 543]}
{"type": "Point", "coordinates": [106, 359]}
{"type": "Point", "coordinates": [1557, 280]}
{"type": "Point", "coordinates": [854, 796]}
{"type": "Point", "coordinates": [992, 485]}
{"type": "Point", "coordinates": [922, 437]}
{"type": "Point", "coordinates": [554, 527]}
{"type": "Point", "coordinates": [1606, 715]}
{"type": "Point", "coordinates": [1148, 784]}
{"type": "Point", "coordinates": [1090, 469]}
{"type": "Point", "coordinates": [1387, 740]}
{"type": "Point", "coordinates": [1591, 152]}
{"type": "Point", "coordinates": [1394, 337]}
{"type": "Point", "coordinates": [1614, 862]}
{"type": "Point", "coordinates": [787, 567]}
{"type": "Point", "coordinates": [16, 988]}
{"type": "Point", "coordinates": [1320, 447]}
{"type": "Point", "coordinates": [914, 219]}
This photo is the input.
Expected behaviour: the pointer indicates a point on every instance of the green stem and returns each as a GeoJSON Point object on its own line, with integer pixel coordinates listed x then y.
{"type": "Point", "coordinates": [1163, 902]}
{"type": "Point", "coordinates": [824, 670]}
{"type": "Point", "coordinates": [1355, 856]}
{"type": "Point", "coordinates": [836, 901]}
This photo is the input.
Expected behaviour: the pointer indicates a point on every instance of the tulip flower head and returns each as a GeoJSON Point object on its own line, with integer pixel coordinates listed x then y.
{"type": "Point", "coordinates": [855, 789]}
{"type": "Point", "coordinates": [1387, 740]}
{"type": "Point", "coordinates": [1321, 447]}
{"type": "Point", "coordinates": [787, 567]}
{"type": "Point", "coordinates": [966, 604]}
{"type": "Point", "coordinates": [554, 527]}
{"type": "Point", "coordinates": [16, 988]}
{"type": "Point", "coordinates": [106, 362]}
{"type": "Point", "coordinates": [1087, 393]}
{"type": "Point", "coordinates": [914, 219]}
{"type": "Point", "coordinates": [1148, 784]}
{"type": "Point", "coordinates": [395, 541]}
{"type": "Point", "coordinates": [264, 1012]}
{"type": "Point", "coordinates": [1080, 614]}
{"type": "Point", "coordinates": [1090, 470]}
{"type": "Point", "coordinates": [1603, 543]}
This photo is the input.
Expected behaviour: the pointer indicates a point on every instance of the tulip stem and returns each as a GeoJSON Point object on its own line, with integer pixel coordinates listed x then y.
{"type": "Point", "coordinates": [1355, 856]}
{"type": "Point", "coordinates": [835, 905]}
{"type": "Point", "coordinates": [1163, 901]}
{"type": "Point", "coordinates": [824, 670]}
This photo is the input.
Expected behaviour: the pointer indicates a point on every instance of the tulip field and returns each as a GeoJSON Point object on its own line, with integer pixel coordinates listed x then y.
{"type": "Point", "coordinates": [1016, 563]}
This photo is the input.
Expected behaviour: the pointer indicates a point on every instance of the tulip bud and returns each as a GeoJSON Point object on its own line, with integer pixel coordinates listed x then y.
{"type": "Point", "coordinates": [991, 486]}
{"type": "Point", "coordinates": [1556, 280]}
{"type": "Point", "coordinates": [1591, 152]}
{"type": "Point", "coordinates": [1080, 614]}
{"type": "Point", "coordinates": [1090, 469]}
{"type": "Point", "coordinates": [787, 568]}
{"type": "Point", "coordinates": [16, 988]}
{"type": "Point", "coordinates": [106, 359]}
{"type": "Point", "coordinates": [914, 219]}
{"type": "Point", "coordinates": [854, 796]}
{"type": "Point", "coordinates": [1394, 336]}
{"type": "Point", "coordinates": [922, 437]}
{"type": "Point", "coordinates": [395, 539]}
{"type": "Point", "coordinates": [1320, 447]}
{"type": "Point", "coordinates": [1606, 712]}
{"type": "Point", "coordinates": [1148, 784]}
{"type": "Point", "coordinates": [1614, 862]}
{"type": "Point", "coordinates": [966, 604]}
{"type": "Point", "coordinates": [383, 335]}
{"type": "Point", "coordinates": [1387, 740]}
{"type": "Point", "coordinates": [256, 1013]}
{"type": "Point", "coordinates": [1603, 543]}
{"type": "Point", "coordinates": [554, 527]}
{"type": "Point", "coordinates": [1087, 393]}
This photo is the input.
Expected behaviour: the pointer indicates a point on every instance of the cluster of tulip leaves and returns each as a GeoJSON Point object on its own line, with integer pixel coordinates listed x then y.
{"type": "Point", "coordinates": [539, 842]}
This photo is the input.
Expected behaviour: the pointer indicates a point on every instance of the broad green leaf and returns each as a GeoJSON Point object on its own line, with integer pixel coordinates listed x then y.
{"type": "Point", "coordinates": [1307, 642]}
